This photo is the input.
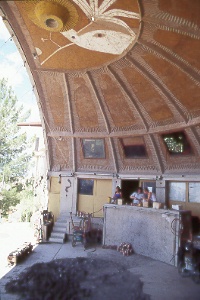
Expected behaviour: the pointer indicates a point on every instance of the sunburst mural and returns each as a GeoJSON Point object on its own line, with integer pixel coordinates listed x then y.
{"type": "Point", "coordinates": [106, 28]}
{"type": "Point", "coordinates": [105, 32]}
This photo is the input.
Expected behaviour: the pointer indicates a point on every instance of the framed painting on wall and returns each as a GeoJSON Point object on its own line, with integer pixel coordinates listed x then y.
{"type": "Point", "coordinates": [93, 148]}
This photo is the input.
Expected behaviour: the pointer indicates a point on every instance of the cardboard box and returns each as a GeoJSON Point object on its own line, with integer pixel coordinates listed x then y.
{"type": "Point", "coordinates": [177, 207]}
{"type": "Point", "coordinates": [119, 201]}
{"type": "Point", "coordinates": [145, 204]}
{"type": "Point", "coordinates": [157, 205]}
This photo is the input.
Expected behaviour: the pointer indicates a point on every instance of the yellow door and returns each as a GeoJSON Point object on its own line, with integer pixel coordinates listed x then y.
{"type": "Point", "coordinates": [102, 189]}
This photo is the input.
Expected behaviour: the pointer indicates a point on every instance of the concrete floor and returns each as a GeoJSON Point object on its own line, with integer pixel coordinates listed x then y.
{"type": "Point", "coordinates": [160, 280]}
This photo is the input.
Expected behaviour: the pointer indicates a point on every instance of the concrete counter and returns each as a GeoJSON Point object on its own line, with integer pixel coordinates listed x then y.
{"type": "Point", "coordinates": [152, 232]}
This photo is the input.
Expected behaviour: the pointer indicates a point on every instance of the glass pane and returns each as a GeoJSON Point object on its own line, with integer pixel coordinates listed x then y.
{"type": "Point", "coordinates": [177, 191]}
{"type": "Point", "coordinates": [85, 186]}
{"type": "Point", "coordinates": [135, 151]}
{"type": "Point", "coordinates": [93, 148]}
{"type": "Point", "coordinates": [134, 147]}
{"type": "Point", "coordinates": [150, 185]}
{"type": "Point", "coordinates": [177, 143]}
{"type": "Point", "coordinates": [194, 188]}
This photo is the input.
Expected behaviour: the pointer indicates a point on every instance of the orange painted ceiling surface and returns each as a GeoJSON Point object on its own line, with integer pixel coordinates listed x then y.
{"type": "Point", "coordinates": [113, 69]}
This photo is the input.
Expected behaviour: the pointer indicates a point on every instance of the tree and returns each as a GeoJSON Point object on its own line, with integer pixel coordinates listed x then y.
{"type": "Point", "coordinates": [10, 198]}
{"type": "Point", "coordinates": [14, 157]}
{"type": "Point", "coordinates": [27, 205]}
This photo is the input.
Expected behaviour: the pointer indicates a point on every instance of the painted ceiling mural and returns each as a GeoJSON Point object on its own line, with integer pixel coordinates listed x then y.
{"type": "Point", "coordinates": [95, 25]}
{"type": "Point", "coordinates": [123, 72]}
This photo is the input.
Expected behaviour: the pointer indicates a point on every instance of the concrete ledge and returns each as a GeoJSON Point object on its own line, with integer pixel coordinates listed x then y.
{"type": "Point", "coordinates": [152, 232]}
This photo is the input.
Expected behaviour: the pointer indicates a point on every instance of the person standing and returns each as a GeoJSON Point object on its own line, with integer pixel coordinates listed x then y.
{"type": "Point", "coordinates": [149, 196]}
{"type": "Point", "coordinates": [137, 197]}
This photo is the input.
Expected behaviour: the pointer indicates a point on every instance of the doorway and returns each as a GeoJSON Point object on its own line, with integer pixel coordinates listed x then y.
{"type": "Point", "coordinates": [129, 186]}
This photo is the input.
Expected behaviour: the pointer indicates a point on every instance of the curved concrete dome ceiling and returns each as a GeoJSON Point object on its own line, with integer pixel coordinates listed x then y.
{"type": "Point", "coordinates": [124, 72]}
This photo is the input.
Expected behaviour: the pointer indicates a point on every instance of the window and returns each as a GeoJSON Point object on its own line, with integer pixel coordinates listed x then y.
{"type": "Point", "coordinates": [184, 191]}
{"type": "Point", "coordinates": [193, 193]}
{"type": "Point", "coordinates": [177, 191]}
{"type": "Point", "coordinates": [177, 143]}
{"type": "Point", "coordinates": [85, 186]}
{"type": "Point", "coordinates": [134, 147]}
{"type": "Point", "coordinates": [185, 194]}
{"type": "Point", "coordinates": [93, 148]}
{"type": "Point", "coordinates": [151, 185]}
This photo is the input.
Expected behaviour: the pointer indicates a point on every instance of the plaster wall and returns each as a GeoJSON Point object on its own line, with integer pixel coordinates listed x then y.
{"type": "Point", "coordinates": [66, 194]}
{"type": "Point", "coordinates": [54, 196]}
{"type": "Point", "coordinates": [54, 204]}
{"type": "Point", "coordinates": [152, 232]}
{"type": "Point", "coordinates": [161, 191]}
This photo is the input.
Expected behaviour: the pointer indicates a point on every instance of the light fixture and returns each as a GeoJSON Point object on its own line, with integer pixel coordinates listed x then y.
{"type": "Point", "coordinates": [65, 175]}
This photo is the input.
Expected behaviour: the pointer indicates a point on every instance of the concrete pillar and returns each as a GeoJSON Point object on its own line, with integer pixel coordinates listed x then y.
{"type": "Point", "coordinates": [161, 191]}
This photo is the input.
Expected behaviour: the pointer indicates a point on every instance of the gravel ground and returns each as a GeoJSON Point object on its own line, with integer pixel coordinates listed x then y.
{"type": "Point", "coordinates": [77, 279]}
{"type": "Point", "coordinates": [92, 274]}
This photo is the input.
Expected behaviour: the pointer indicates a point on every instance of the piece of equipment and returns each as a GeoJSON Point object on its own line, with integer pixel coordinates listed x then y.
{"type": "Point", "coordinates": [189, 261]}
{"type": "Point", "coordinates": [189, 250]}
{"type": "Point", "coordinates": [80, 229]}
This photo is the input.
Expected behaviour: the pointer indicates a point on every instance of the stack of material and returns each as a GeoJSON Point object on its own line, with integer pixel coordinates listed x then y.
{"type": "Point", "coordinates": [145, 204]}
{"type": "Point", "coordinates": [157, 205]}
{"type": "Point", "coordinates": [20, 253]}
{"type": "Point", "coordinates": [126, 249]}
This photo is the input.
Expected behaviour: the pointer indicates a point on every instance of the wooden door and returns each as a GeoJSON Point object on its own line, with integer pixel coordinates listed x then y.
{"type": "Point", "coordinates": [102, 192]}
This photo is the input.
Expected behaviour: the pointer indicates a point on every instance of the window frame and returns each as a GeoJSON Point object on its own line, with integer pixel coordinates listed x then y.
{"type": "Point", "coordinates": [186, 143]}
{"type": "Point", "coordinates": [92, 140]}
{"type": "Point", "coordinates": [187, 192]}
{"type": "Point", "coordinates": [145, 156]}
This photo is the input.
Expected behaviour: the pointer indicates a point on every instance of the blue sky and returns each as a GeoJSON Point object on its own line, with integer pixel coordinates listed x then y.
{"type": "Point", "coordinates": [12, 68]}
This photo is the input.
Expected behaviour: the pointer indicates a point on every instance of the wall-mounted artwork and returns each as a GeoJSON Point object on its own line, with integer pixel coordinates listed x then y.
{"type": "Point", "coordinates": [62, 28]}
{"type": "Point", "coordinates": [93, 148]}
{"type": "Point", "coordinates": [85, 186]}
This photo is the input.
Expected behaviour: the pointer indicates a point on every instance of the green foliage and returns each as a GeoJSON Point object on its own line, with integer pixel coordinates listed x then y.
{"type": "Point", "coordinates": [14, 145]}
{"type": "Point", "coordinates": [13, 157]}
{"type": "Point", "coordinates": [9, 198]}
{"type": "Point", "coordinates": [26, 206]}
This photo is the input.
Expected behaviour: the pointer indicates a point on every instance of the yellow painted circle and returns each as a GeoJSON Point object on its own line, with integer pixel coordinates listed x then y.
{"type": "Point", "coordinates": [53, 15]}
